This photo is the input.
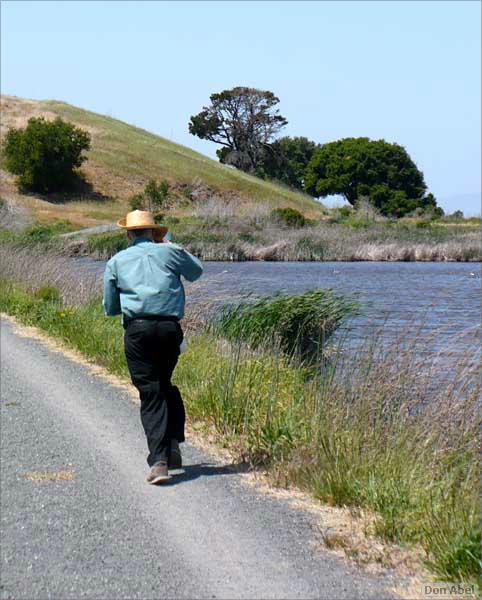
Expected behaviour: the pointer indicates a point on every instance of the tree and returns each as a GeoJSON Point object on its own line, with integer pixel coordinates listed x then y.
{"type": "Point", "coordinates": [384, 172]}
{"type": "Point", "coordinates": [45, 154]}
{"type": "Point", "coordinates": [243, 121]}
{"type": "Point", "coordinates": [286, 160]}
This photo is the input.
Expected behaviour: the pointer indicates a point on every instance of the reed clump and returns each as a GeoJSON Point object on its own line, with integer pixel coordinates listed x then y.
{"type": "Point", "coordinates": [299, 325]}
{"type": "Point", "coordinates": [104, 245]}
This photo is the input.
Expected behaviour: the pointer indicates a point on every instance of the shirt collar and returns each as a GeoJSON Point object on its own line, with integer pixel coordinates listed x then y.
{"type": "Point", "coordinates": [141, 240]}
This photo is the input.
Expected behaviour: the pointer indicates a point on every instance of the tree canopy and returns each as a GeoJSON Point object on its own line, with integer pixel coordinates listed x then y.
{"type": "Point", "coordinates": [45, 154]}
{"type": "Point", "coordinates": [286, 160]}
{"type": "Point", "coordinates": [383, 172]}
{"type": "Point", "coordinates": [243, 120]}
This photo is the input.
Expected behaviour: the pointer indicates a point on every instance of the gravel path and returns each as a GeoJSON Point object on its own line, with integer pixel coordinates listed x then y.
{"type": "Point", "coordinates": [105, 534]}
{"type": "Point", "coordinates": [82, 233]}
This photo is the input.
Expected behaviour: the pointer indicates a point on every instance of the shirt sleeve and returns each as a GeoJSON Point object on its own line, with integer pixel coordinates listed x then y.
{"type": "Point", "coordinates": [184, 263]}
{"type": "Point", "coordinates": [111, 300]}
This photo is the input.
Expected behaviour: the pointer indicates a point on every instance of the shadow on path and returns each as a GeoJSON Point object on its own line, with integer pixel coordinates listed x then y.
{"type": "Point", "coordinates": [190, 472]}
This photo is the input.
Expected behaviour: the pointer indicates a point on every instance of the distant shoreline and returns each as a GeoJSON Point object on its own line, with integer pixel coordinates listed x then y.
{"type": "Point", "coordinates": [279, 253]}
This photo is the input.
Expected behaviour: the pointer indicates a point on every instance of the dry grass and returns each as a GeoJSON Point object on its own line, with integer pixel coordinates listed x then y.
{"type": "Point", "coordinates": [215, 232]}
{"type": "Point", "coordinates": [40, 476]}
{"type": "Point", "coordinates": [51, 270]}
{"type": "Point", "coordinates": [217, 235]}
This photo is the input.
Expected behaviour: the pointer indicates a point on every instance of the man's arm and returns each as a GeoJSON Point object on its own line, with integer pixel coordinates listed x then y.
{"type": "Point", "coordinates": [184, 263]}
{"type": "Point", "coordinates": [111, 299]}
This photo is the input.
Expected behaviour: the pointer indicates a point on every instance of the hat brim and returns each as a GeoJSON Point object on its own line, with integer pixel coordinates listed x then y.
{"type": "Point", "coordinates": [160, 229]}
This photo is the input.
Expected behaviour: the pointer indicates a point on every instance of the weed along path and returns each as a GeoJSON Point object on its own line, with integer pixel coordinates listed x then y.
{"type": "Point", "coordinates": [79, 521]}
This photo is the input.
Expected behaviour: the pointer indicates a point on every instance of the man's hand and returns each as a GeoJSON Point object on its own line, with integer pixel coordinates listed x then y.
{"type": "Point", "coordinates": [159, 240]}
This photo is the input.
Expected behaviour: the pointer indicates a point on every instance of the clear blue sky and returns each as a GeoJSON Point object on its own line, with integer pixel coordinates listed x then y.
{"type": "Point", "coordinates": [408, 72]}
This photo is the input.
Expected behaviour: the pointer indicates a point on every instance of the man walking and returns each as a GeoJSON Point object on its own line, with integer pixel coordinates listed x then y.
{"type": "Point", "coordinates": [143, 283]}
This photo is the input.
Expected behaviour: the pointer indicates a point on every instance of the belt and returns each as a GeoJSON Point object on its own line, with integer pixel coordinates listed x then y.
{"type": "Point", "coordinates": [127, 320]}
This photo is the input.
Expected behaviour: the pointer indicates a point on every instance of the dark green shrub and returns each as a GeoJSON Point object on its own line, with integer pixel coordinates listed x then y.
{"type": "Point", "coordinates": [289, 217]}
{"type": "Point", "coordinates": [137, 202]}
{"type": "Point", "coordinates": [423, 224]}
{"type": "Point", "coordinates": [345, 211]}
{"type": "Point", "coordinates": [105, 245]}
{"type": "Point", "coordinates": [187, 192]}
{"type": "Point", "coordinates": [299, 324]}
{"type": "Point", "coordinates": [457, 215]}
{"type": "Point", "coordinates": [47, 293]}
{"type": "Point", "coordinates": [157, 194]}
{"type": "Point", "coordinates": [45, 154]}
{"type": "Point", "coordinates": [354, 224]}
{"type": "Point", "coordinates": [159, 218]}
{"type": "Point", "coordinates": [39, 232]}
{"type": "Point", "coordinates": [247, 237]}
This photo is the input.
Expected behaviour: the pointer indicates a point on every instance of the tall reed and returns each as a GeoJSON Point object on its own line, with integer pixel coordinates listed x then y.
{"type": "Point", "coordinates": [299, 324]}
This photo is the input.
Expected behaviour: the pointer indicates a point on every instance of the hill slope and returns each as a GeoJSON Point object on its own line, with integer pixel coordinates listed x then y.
{"type": "Point", "coordinates": [121, 161]}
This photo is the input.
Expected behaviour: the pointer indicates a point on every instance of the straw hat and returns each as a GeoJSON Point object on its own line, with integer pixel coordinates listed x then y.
{"type": "Point", "coordinates": [142, 219]}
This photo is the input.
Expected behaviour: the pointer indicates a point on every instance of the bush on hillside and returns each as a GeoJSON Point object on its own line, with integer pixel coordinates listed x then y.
{"type": "Point", "coordinates": [154, 196]}
{"type": "Point", "coordinates": [137, 202]}
{"type": "Point", "coordinates": [46, 154]}
{"type": "Point", "coordinates": [157, 194]}
{"type": "Point", "coordinates": [289, 217]}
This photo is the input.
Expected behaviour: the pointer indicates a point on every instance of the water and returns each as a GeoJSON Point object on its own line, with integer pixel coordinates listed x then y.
{"type": "Point", "coordinates": [441, 301]}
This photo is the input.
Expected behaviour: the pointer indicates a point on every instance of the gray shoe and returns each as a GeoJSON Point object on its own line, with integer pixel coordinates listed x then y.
{"type": "Point", "coordinates": [158, 474]}
{"type": "Point", "coordinates": [175, 460]}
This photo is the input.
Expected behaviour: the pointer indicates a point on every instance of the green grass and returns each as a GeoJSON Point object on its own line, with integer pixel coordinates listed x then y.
{"type": "Point", "coordinates": [38, 233]}
{"type": "Point", "coordinates": [105, 245]}
{"type": "Point", "coordinates": [350, 440]}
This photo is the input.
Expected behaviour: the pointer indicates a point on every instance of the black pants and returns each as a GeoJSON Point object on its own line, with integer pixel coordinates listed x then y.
{"type": "Point", "coordinates": [152, 351]}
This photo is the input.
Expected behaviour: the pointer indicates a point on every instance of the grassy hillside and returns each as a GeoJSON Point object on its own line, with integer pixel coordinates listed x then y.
{"type": "Point", "coordinates": [121, 161]}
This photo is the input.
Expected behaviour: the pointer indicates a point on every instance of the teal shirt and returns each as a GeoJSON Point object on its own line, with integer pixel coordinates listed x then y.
{"type": "Point", "coordinates": [145, 279]}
